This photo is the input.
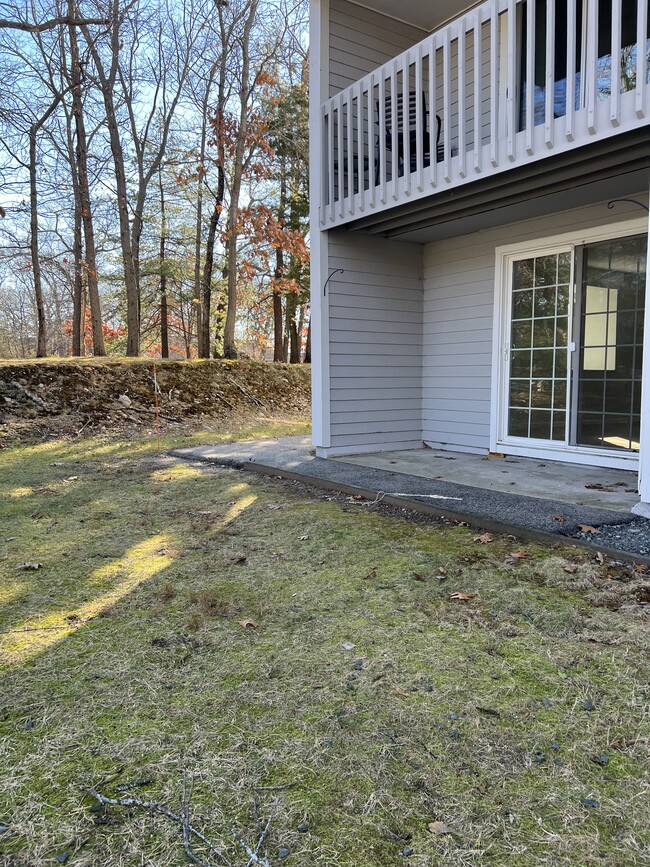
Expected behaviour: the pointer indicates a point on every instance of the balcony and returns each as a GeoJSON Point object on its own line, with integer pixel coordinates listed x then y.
{"type": "Point", "coordinates": [503, 86]}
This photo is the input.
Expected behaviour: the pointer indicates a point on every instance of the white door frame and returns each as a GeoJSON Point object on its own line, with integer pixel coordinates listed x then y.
{"type": "Point", "coordinates": [501, 347]}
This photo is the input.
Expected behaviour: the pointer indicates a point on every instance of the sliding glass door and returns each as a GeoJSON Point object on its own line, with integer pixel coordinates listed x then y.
{"type": "Point", "coordinates": [575, 345]}
{"type": "Point", "coordinates": [610, 344]}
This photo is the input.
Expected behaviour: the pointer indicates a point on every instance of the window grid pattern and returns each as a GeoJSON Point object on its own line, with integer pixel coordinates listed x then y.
{"type": "Point", "coordinates": [537, 398]}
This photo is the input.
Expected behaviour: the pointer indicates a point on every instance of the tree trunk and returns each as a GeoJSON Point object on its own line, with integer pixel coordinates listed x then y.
{"type": "Point", "coordinates": [205, 296]}
{"type": "Point", "coordinates": [220, 319]}
{"type": "Point", "coordinates": [203, 339]}
{"type": "Point", "coordinates": [77, 232]}
{"type": "Point", "coordinates": [84, 308]}
{"type": "Point", "coordinates": [164, 317]}
{"type": "Point", "coordinates": [292, 328]}
{"type": "Point", "coordinates": [84, 192]}
{"type": "Point", "coordinates": [41, 340]}
{"type": "Point", "coordinates": [229, 344]}
{"type": "Point", "coordinates": [107, 87]}
{"type": "Point", "coordinates": [278, 314]}
{"type": "Point", "coordinates": [308, 344]}
{"type": "Point", "coordinates": [77, 252]}
{"type": "Point", "coordinates": [278, 335]}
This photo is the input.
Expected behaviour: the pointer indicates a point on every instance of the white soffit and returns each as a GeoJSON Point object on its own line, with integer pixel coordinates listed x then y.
{"type": "Point", "coordinates": [421, 13]}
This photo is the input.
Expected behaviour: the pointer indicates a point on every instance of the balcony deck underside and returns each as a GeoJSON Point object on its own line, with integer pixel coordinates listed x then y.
{"type": "Point", "coordinates": [618, 166]}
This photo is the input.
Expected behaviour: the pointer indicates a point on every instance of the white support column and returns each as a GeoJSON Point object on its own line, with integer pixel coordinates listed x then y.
{"type": "Point", "coordinates": [643, 508]}
{"type": "Point", "coordinates": [319, 78]}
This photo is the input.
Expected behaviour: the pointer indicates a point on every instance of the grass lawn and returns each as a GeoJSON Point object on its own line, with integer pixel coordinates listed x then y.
{"type": "Point", "coordinates": [268, 643]}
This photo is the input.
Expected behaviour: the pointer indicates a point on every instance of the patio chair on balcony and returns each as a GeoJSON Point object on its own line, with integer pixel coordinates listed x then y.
{"type": "Point", "coordinates": [398, 137]}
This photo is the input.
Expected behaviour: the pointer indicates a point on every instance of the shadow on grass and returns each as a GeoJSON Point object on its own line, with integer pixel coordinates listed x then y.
{"type": "Point", "coordinates": [59, 525]}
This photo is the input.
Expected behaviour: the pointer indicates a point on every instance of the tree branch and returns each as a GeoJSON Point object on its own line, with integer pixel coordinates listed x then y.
{"type": "Point", "coordinates": [50, 24]}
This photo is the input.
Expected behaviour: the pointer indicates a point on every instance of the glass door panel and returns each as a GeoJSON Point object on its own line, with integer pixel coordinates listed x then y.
{"type": "Point", "coordinates": [539, 341]}
{"type": "Point", "coordinates": [612, 304]}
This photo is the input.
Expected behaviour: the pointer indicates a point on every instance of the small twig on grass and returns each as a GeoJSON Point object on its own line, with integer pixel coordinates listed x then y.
{"type": "Point", "coordinates": [189, 831]}
{"type": "Point", "coordinates": [152, 807]}
{"type": "Point", "coordinates": [263, 830]}
{"type": "Point", "coordinates": [187, 828]}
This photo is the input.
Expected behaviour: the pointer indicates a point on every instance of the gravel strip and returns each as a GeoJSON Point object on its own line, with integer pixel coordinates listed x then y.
{"type": "Point", "coordinates": [632, 536]}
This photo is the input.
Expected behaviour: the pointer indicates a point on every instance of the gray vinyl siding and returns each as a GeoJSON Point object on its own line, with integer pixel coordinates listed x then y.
{"type": "Point", "coordinates": [375, 342]}
{"type": "Point", "coordinates": [362, 40]}
{"type": "Point", "coordinates": [459, 289]}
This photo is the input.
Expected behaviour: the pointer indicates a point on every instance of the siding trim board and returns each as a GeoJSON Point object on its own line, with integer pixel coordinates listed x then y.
{"type": "Point", "coordinates": [319, 74]}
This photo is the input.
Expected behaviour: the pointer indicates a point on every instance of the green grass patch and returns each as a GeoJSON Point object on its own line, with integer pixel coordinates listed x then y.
{"type": "Point", "coordinates": [125, 659]}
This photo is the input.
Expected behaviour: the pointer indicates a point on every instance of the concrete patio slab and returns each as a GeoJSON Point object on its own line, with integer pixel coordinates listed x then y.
{"type": "Point", "coordinates": [518, 508]}
{"type": "Point", "coordinates": [551, 480]}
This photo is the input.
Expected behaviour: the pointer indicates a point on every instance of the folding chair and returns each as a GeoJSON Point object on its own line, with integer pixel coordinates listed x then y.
{"type": "Point", "coordinates": [397, 136]}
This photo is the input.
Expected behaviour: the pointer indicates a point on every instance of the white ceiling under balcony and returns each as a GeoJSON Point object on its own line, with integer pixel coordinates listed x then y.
{"type": "Point", "coordinates": [422, 13]}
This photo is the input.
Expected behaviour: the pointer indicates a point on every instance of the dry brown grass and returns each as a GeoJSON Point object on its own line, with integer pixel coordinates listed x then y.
{"type": "Point", "coordinates": [125, 660]}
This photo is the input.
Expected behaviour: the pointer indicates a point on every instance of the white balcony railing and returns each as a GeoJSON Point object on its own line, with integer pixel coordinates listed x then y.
{"type": "Point", "coordinates": [508, 83]}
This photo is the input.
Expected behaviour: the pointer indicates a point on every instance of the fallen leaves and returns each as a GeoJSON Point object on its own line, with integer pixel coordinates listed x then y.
{"type": "Point", "coordinates": [484, 539]}
{"type": "Point", "coordinates": [587, 528]}
{"type": "Point", "coordinates": [441, 828]}
{"type": "Point", "coordinates": [462, 597]}
{"type": "Point", "coordinates": [371, 574]}
{"type": "Point", "coordinates": [518, 556]}
{"type": "Point", "coordinates": [401, 692]}
{"type": "Point", "coordinates": [249, 624]}
{"type": "Point", "coordinates": [560, 518]}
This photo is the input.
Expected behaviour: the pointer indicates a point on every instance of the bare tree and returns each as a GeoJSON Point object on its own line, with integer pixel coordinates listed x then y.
{"type": "Point", "coordinates": [41, 343]}
{"type": "Point", "coordinates": [82, 188]}
{"type": "Point", "coordinates": [157, 55]}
